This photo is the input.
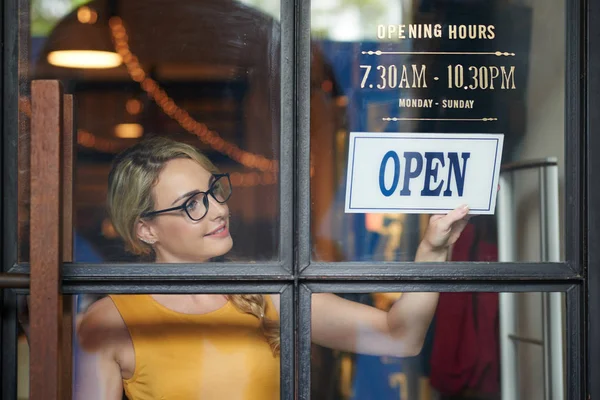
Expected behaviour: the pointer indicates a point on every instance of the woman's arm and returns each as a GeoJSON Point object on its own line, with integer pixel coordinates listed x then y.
{"type": "Point", "coordinates": [110, 383]}
{"type": "Point", "coordinates": [346, 325]}
{"type": "Point", "coordinates": [100, 333]}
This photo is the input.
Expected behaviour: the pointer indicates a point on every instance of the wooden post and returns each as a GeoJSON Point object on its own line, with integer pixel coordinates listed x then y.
{"type": "Point", "coordinates": [67, 231]}
{"type": "Point", "coordinates": [46, 237]}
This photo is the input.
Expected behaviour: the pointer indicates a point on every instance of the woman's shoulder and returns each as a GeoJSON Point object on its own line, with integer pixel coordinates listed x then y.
{"type": "Point", "coordinates": [101, 326]}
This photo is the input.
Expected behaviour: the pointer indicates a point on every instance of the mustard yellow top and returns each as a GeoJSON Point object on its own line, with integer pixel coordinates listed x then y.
{"type": "Point", "coordinates": [221, 355]}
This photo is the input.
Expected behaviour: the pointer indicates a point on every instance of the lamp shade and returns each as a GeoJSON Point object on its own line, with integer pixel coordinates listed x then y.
{"type": "Point", "coordinates": [82, 43]}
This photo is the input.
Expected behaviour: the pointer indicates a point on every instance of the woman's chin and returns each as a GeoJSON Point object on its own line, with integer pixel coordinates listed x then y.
{"type": "Point", "coordinates": [222, 248]}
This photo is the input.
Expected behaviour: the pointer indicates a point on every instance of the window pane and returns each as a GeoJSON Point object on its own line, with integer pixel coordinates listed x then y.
{"type": "Point", "coordinates": [476, 344]}
{"type": "Point", "coordinates": [412, 87]}
{"type": "Point", "coordinates": [202, 73]}
{"type": "Point", "coordinates": [173, 346]}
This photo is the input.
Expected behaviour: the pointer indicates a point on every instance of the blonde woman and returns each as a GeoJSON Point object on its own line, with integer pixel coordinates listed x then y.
{"type": "Point", "coordinates": [168, 200]}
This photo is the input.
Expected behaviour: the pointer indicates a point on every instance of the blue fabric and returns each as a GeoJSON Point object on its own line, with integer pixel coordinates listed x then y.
{"type": "Point", "coordinates": [382, 378]}
{"type": "Point", "coordinates": [375, 378]}
{"type": "Point", "coordinates": [84, 251]}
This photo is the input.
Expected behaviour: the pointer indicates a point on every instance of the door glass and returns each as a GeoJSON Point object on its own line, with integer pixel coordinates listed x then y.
{"type": "Point", "coordinates": [172, 346]}
{"type": "Point", "coordinates": [476, 344]}
{"type": "Point", "coordinates": [439, 66]}
{"type": "Point", "coordinates": [202, 73]}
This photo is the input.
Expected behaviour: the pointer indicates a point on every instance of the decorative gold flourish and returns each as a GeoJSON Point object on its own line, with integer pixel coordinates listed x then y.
{"type": "Point", "coordinates": [494, 53]}
{"type": "Point", "coordinates": [395, 119]}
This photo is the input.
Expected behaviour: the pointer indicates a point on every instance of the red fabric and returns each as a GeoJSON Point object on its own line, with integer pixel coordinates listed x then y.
{"type": "Point", "coordinates": [465, 354]}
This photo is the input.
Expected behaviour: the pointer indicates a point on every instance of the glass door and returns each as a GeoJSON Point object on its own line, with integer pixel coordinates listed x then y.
{"type": "Point", "coordinates": [182, 165]}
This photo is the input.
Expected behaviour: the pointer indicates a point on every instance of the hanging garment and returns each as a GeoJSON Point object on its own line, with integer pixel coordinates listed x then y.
{"type": "Point", "coordinates": [465, 355]}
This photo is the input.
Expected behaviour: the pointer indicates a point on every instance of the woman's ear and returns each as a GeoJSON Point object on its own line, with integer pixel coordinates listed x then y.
{"type": "Point", "coordinates": [145, 232]}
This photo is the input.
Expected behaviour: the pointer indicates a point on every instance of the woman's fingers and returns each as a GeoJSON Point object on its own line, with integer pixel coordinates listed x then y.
{"type": "Point", "coordinates": [445, 223]}
{"type": "Point", "coordinates": [457, 229]}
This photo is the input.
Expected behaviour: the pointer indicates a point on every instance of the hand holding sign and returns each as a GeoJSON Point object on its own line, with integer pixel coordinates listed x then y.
{"type": "Point", "coordinates": [441, 233]}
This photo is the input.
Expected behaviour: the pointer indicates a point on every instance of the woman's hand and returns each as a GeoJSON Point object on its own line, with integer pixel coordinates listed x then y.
{"type": "Point", "coordinates": [442, 232]}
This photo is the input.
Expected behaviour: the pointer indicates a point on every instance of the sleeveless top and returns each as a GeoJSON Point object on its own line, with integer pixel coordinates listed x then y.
{"type": "Point", "coordinates": [218, 355]}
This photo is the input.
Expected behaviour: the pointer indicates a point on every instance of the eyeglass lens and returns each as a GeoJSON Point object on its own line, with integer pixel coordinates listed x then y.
{"type": "Point", "coordinates": [197, 205]}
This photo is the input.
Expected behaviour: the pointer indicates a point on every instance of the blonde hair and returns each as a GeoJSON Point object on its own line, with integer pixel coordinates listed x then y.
{"type": "Point", "coordinates": [134, 173]}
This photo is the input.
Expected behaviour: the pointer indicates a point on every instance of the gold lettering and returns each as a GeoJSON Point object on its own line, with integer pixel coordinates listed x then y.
{"type": "Point", "coordinates": [427, 31]}
{"type": "Point", "coordinates": [404, 79]}
{"type": "Point", "coordinates": [410, 31]}
{"type": "Point", "coordinates": [471, 32]}
{"type": "Point", "coordinates": [419, 77]}
{"type": "Point", "coordinates": [508, 78]}
{"type": "Point", "coordinates": [494, 73]}
{"type": "Point", "coordinates": [452, 32]}
{"type": "Point", "coordinates": [482, 31]}
{"type": "Point", "coordinates": [415, 103]}
{"type": "Point", "coordinates": [459, 104]}
{"type": "Point", "coordinates": [401, 32]}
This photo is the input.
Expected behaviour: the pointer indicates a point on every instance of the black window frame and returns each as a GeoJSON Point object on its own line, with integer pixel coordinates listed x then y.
{"type": "Point", "coordinates": [294, 275]}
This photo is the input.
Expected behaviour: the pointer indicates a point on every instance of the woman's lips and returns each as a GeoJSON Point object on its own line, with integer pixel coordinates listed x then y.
{"type": "Point", "coordinates": [220, 232]}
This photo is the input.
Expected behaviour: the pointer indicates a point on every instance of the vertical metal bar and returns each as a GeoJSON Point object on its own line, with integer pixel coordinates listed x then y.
{"type": "Point", "coordinates": [589, 246]}
{"type": "Point", "coordinates": [9, 344]}
{"type": "Point", "coordinates": [545, 303]}
{"type": "Point", "coordinates": [68, 160]}
{"type": "Point", "coordinates": [555, 300]}
{"type": "Point", "coordinates": [546, 347]}
{"type": "Point", "coordinates": [576, 351]}
{"type": "Point", "coordinates": [575, 120]}
{"type": "Point", "coordinates": [507, 243]}
{"type": "Point", "coordinates": [507, 251]}
{"type": "Point", "coordinates": [303, 337]}
{"type": "Point", "coordinates": [10, 133]}
{"type": "Point", "coordinates": [302, 90]}
{"type": "Point", "coordinates": [46, 240]}
{"type": "Point", "coordinates": [287, 319]}
{"type": "Point", "coordinates": [286, 154]}
{"type": "Point", "coordinates": [551, 302]}
{"type": "Point", "coordinates": [9, 118]}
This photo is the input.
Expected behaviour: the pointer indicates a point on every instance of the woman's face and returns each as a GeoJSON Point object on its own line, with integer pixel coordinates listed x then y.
{"type": "Point", "coordinates": [177, 237]}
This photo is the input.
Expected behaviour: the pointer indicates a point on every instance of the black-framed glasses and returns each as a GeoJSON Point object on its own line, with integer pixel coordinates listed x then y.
{"type": "Point", "coordinates": [196, 205]}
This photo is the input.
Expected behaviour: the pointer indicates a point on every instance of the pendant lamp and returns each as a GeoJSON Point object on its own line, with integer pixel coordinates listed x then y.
{"type": "Point", "coordinates": [83, 40]}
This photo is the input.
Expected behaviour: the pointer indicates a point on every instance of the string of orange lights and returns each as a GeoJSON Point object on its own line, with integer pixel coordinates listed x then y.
{"type": "Point", "coordinates": [181, 116]}
{"type": "Point", "coordinates": [89, 140]}
{"type": "Point", "coordinates": [268, 168]}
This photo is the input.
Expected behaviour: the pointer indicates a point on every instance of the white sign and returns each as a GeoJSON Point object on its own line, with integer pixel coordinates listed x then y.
{"type": "Point", "coordinates": [422, 173]}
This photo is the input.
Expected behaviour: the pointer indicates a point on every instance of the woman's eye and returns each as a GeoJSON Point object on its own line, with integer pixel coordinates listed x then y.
{"type": "Point", "coordinates": [192, 205]}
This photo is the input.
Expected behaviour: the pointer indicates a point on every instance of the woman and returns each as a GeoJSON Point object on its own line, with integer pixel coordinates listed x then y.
{"type": "Point", "coordinates": [168, 200]}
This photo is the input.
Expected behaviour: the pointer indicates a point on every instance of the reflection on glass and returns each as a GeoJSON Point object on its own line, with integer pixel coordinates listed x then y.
{"type": "Point", "coordinates": [433, 67]}
{"type": "Point", "coordinates": [203, 73]}
{"type": "Point", "coordinates": [477, 345]}
{"type": "Point", "coordinates": [174, 346]}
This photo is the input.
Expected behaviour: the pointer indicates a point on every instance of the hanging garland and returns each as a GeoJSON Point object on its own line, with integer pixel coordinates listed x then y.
{"type": "Point", "coordinates": [181, 116]}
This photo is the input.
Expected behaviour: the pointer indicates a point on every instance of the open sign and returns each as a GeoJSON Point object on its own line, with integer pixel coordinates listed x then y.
{"type": "Point", "coordinates": [422, 172]}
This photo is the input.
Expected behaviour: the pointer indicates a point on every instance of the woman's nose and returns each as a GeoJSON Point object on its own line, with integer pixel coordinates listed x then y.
{"type": "Point", "coordinates": [216, 209]}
